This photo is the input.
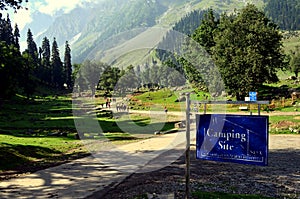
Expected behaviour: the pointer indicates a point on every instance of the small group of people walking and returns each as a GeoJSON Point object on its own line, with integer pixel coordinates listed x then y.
{"type": "Point", "coordinates": [121, 107]}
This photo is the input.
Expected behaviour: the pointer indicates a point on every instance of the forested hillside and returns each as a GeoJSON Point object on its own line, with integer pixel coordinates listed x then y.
{"type": "Point", "coordinates": [286, 13]}
{"type": "Point", "coordinates": [187, 25]}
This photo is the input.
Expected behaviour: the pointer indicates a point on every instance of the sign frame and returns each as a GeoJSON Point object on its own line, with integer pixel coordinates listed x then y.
{"type": "Point", "coordinates": [232, 138]}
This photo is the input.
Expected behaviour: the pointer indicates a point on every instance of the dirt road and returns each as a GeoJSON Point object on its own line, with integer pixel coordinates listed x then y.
{"type": "Point", "coordinates": [88, 176]}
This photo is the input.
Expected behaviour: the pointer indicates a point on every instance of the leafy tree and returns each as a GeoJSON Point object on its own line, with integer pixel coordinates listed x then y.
{"type": "Point", "coordinates": [57, 66]}
{"type": "Point", "coordinates": [109, 79]}
{"type": "Point", "coordinates": [10, 72]}
{"type": "Point", "coordinates": [90, 71]}
{"type": "Point", "coordinates": [68, 66]}
{"type": "Point", "coordinates": [248, 50]}
{"type": "Point", "coordinates": [295, 61]}
{"type": "Point", "coordinates": [127, 80]}
{"type": "Point", "coordinates": [78, 79]}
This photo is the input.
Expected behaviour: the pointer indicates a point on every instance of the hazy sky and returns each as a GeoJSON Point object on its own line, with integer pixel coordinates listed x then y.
{"type": "Point", "coordinates": [45, 6]}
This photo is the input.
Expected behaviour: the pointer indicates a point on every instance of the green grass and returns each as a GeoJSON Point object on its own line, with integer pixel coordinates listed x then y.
{"type": "Point", "coordinates": [28, 153]}
{"type": "Point", "coordinates": [39, 133]}
{"type": "Point", "coordinates": [156, 101]}
{"type": "Point", "coordinates": [41, 115]}
{"type": "Point", "coordinates": [110, 123]}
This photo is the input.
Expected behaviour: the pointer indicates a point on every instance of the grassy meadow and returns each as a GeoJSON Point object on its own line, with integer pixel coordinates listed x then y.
{"type": "Point", "coordinates": [38, 133]}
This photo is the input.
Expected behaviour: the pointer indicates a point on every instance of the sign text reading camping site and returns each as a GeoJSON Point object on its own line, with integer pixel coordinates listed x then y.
{"type": "Point", "coordinates": [233, 138]}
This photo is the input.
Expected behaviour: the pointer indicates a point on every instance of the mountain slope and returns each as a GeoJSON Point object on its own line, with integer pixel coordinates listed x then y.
{"type": "Point", "coordinates": [87, 27]}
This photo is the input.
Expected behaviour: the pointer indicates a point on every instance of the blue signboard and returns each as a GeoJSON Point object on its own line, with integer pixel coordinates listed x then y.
{"type": "Point", "coordinates": [232, 138]}
{"type": "Point", "coordinates": [253, 96]}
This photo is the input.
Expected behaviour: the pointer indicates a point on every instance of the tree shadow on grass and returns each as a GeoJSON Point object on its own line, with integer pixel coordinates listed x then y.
{"type": "Point", "coordinates": [18, 159]}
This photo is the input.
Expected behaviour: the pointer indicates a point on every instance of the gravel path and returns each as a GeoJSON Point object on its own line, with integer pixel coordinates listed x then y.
{"type": "Point", "coordinates": [281, 179]}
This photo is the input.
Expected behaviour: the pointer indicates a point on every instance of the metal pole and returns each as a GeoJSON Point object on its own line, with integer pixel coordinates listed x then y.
{"type": "Point", "coordinates": [187, 151]}
{"type": "Point", "coordinates": [258, 109]}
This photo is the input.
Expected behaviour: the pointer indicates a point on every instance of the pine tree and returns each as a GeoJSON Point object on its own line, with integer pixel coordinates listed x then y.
{"type": "Point", "coordinates": [68, 66]}
{"type": "Point", "coordinates": [10, 60]}
{"type": "Point", "coordinates": [6, 31]}
{"type": "Point", "coordinates": [57, 67]}
{"type": "Point", "coordinates": [9, 31]}
{"type": "Point", "coordinates": [16, 37]}
{"type": "Point", "coordinates": [32, 48]}
{"type": "Point", "coordinates": [45, 62]}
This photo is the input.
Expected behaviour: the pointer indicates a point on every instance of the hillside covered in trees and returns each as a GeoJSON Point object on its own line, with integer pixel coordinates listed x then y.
{"type": "Point", "coordinates": [285, 13]}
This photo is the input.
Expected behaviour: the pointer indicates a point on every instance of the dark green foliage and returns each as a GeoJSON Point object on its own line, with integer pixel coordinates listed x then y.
{"type": "Point", "coordinates": [10, 60]}
{"type": "Point", "coordinates": [23, 73]}
{"type": "Point", "coordinates": [57, 67]}
{"type": "Point", "coordinates": [245, 46]}
{"type": "Point", "coordinates": [46, 68]}
{"type": "Point", "coordinates": [31, 65]}
{"type": "Point", "coordinates": [286, 13]}
{"type": "Point", "coordinates": [109, 79]}
{"type": "Point", "coordinates": [204, 33]}
{"type": "Point", "coordinates": [32, 47]}
{"type": "Point", "coordinates": [16, 37]}
{"type": "Point", "coordinates": [190, 22]}
{"type": "Point", "coordinates": [248, 50]}
{"type": "Point", "coordinates": [6, 31]}
{"type": "Point", "coordinates": [68, 66]}
{"type": "Point", "coordinates": [9, 63]}
{"type": "Point", "coordinates": [28, 80]}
